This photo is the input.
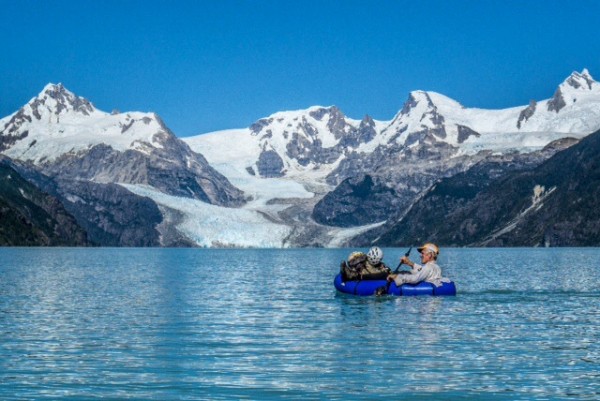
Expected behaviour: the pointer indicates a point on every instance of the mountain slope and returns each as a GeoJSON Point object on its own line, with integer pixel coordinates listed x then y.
{"type": "Point", "coordinates": [432, 137]}
{"type": "Point", "coordinates": [552, 204]}
{"type": "Point", "coordinates": [361, 197]}
{"type": "Point", "coordinates": [110, 214]}
{"type": "Point", "coordinates": [84, 156]}
{"type": "Point", "coordinates": [30, 217]}
{"type": "Point", "coordinates": [65, 135]}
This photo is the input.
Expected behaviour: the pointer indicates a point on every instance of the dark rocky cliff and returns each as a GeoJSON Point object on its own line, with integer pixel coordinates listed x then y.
{"type": "Point", "coordinates": [356, 201]}
{"type": "Point", "coordinates": [496, 203]}
{"type": "Point", "coordinates": [110, 214]}
{"type": "Point", "coordinates": [31, 217]}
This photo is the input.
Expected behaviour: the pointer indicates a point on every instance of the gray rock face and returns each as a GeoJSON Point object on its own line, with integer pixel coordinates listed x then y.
{"type": "Point", "coordinates": [405, 177]}
{"type": "Point", "coordinates": [527, 113]}
{"type": "Point", "coordinates": [258, 126]}
{"type": "Point", "coordinates": [16, 121]}
{"type": "Point", "coordinates": [583, 80]}
{"type": "Point", "coordinates": [366, 131]}
{"type": "Point", "coordinates": [410, 104]}
{"type": "Point", "coordinates": [302, 149]}
{"type": "Point", "coordinates": [110, 214]}
{"type": "Point", "coordinates": [356, 201]}
{"type": "Point", "coordinates": [270, 164]}
{"type": "Point", "coordinates": [557, 102]}
{"type": "Point", "coordinates": [7, 140]}
{"type": "Point", "coordinates": [476, 206]}
{"type": "Point", "coordinates": [304, 142]}
{"type": "Point", "coordinates": [465, 133]}
{"type": "Point", "coordinates": [174, 170]}
{"type": "Point", "coordinates": [336, 123]}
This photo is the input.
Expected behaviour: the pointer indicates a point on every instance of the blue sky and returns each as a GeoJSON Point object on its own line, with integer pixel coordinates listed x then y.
{"type": "Point", "coordinates": [212, 65]}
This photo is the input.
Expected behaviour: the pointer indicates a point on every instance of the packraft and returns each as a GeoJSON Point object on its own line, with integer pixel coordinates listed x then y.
{"type": "Point", "coordinates": [382, 287]}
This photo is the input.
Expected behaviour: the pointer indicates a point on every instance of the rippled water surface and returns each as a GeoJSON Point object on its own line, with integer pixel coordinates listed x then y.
{"type": "Point", "coordinates": [178, 324]}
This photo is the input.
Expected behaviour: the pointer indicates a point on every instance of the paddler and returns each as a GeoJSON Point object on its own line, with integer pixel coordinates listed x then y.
{"type": "Point", "coordinates": [428, 270]}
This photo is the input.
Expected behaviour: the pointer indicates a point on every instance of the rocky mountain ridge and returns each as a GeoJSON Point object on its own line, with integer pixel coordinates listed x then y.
{"type": "Point", "coordinates": [64, 134]}
{"type": "Point", "coordinates": [552, 203]}
{"type": "Point", "coordinates": [322, 141]}
{"type": "Point", "coordinates": [83, 156]}
{"type": "Point", "coordinates": [306, 178]}
{"type": "Point", "coordinates": [430, 138]}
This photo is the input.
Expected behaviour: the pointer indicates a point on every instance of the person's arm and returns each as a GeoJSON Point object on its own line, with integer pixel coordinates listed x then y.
{"type": "Point", "coordinates": [419, 273]}
{"type": "Point", "coordinates": [406, 261]}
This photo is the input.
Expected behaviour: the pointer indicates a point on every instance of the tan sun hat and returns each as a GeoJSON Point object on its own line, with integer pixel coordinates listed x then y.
{"type": "Point", "coordinates": [430, 247]}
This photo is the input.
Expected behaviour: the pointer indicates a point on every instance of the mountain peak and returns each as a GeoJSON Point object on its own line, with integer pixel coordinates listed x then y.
{"type": "Point", "coordinates": [414, 98]}
{"type": "Point", "coordinates": [429, 101]}
{"type": "Point", "coordinates": [581, 81]}
{"type": "Point", "coordinates": [572, 88]}
{"type": "Point", "coordinates": [55, 98]}
{"type": "Point", "coordinates": [54, 88]}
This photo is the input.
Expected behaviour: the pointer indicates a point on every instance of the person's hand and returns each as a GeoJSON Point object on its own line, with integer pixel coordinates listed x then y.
{"type": "Point", "coordinates": [391, 278]}
{"type": "Point", "coordinates": [405, 260]}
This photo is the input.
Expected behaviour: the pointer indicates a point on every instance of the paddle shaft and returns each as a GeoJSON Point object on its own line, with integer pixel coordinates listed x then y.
{"type": "Point", "coordinates": [387, 285]}
{"type": "Point", "coordinates": [407, 254]}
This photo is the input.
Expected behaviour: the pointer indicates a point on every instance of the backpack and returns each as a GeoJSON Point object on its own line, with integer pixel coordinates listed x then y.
{"type": "Point", "coordinates": [357, 267]}
{"type": "Point", "coordinates": [352, 268]}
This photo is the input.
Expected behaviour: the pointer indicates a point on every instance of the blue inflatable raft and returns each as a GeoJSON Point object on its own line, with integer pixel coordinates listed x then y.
{"type": "Point", "coordinates": [368, 287]}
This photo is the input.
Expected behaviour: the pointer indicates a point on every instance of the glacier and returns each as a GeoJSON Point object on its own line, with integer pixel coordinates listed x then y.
{"type": "Point", "coordinates": [247, 227]}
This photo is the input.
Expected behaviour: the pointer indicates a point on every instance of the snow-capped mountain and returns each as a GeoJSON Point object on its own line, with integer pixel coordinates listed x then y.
{"type": "Point", "coordinates": [293, 143]}
{"type": "Point", "coordinates": [57, 122]}
{"type": "Point", "coordinates": [295, 178]}
{"type": "Point", "coordinates": [313, 142]}
{"type": "Point", "coordinates": [432, 136]}
{"type": "Point", "coordinates": [66, 136]}
{"type": "Point", "coordinates": [87, 157]}
{"type": "Point", "coordinates": [574, 109]}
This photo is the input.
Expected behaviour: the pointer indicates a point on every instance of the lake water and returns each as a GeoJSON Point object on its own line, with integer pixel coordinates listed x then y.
{"type": "Point", "coordinates": [198, 324]}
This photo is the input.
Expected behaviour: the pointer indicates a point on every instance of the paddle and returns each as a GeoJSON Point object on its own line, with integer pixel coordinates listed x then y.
{"type": "Point", "coordinates": [384, 289]}
{"type": "Point", "coordinates": [407, 254]}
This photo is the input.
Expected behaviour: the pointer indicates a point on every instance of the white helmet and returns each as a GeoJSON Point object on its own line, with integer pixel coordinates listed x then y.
{"type": "Point", "coordinates": [375, 255]}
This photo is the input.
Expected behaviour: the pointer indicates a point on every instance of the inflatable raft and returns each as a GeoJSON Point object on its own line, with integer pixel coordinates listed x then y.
{"type": "Point", "coordinates": [369, 287]}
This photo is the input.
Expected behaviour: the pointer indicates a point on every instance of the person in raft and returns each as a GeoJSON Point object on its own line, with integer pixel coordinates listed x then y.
{"type": "Point", "coordinates": [375, 266]}
{"type": "Point", "coordinates": [427, 271]}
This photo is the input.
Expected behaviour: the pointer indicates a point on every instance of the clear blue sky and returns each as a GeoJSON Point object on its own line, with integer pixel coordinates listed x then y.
{"type": "Point", "coordinates": [211, 65]}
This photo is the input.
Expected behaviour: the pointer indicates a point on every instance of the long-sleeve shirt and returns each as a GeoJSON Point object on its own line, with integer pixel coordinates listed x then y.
{"type": "Point", "coordinates": [429, 272]}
